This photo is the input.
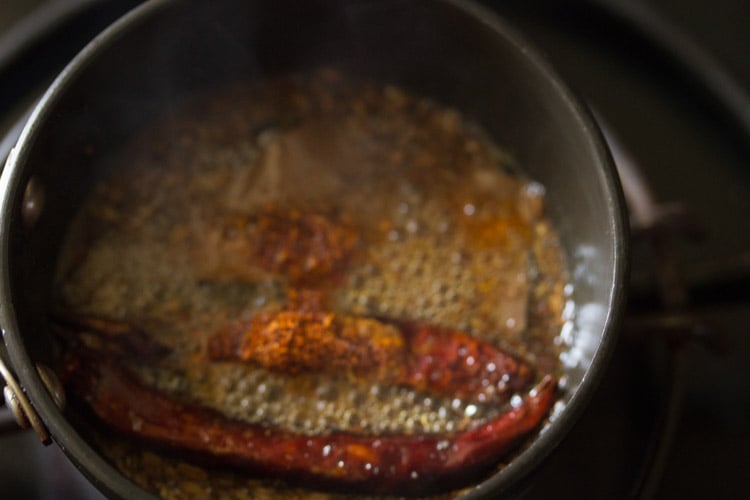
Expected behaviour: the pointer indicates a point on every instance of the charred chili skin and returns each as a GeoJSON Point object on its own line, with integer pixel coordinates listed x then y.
{"type": "Point", "coordinates": [339, 461]}
{"type": "Point", "coordinates": [426, 357]}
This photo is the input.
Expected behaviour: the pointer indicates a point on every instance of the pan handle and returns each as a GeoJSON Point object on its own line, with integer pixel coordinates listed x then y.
{"type": "Point", "coordinates": [18, 407]}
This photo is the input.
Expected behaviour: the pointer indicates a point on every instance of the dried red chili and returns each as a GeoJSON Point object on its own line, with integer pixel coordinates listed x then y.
{"type": "Point", "coordinates": [418, 355]}
{"type": "Point", "coordinates": [392, 464]}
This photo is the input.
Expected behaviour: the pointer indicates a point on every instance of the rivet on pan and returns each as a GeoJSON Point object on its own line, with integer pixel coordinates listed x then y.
{"type": "Point", "coordinates": [52, 383]}
{"type": "Point", "coordinates": [12, 402]}
{"type": "Point", "coordinates": [33, 202]}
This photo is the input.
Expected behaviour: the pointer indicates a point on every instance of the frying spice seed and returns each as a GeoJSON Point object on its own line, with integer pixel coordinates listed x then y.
{"type": "Point", "coordinates": [394, 206]}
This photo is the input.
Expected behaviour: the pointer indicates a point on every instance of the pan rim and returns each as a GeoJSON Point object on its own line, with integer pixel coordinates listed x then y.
{"type": "Point", "coordinates": [111, 481]}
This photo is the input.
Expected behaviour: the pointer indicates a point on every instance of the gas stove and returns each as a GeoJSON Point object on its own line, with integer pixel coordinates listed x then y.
{"type": "Point", "coordinates": [668, 81]}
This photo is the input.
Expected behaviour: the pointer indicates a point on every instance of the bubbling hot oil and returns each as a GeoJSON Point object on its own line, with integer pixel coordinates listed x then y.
{"type": "Point", "coordinates": [317, 405]}
{"type": "Point", "coordinates": [446, 235]}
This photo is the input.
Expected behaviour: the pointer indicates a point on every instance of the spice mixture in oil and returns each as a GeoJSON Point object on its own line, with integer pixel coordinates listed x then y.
{"type": "Point", "coordinates": [273, 252]}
